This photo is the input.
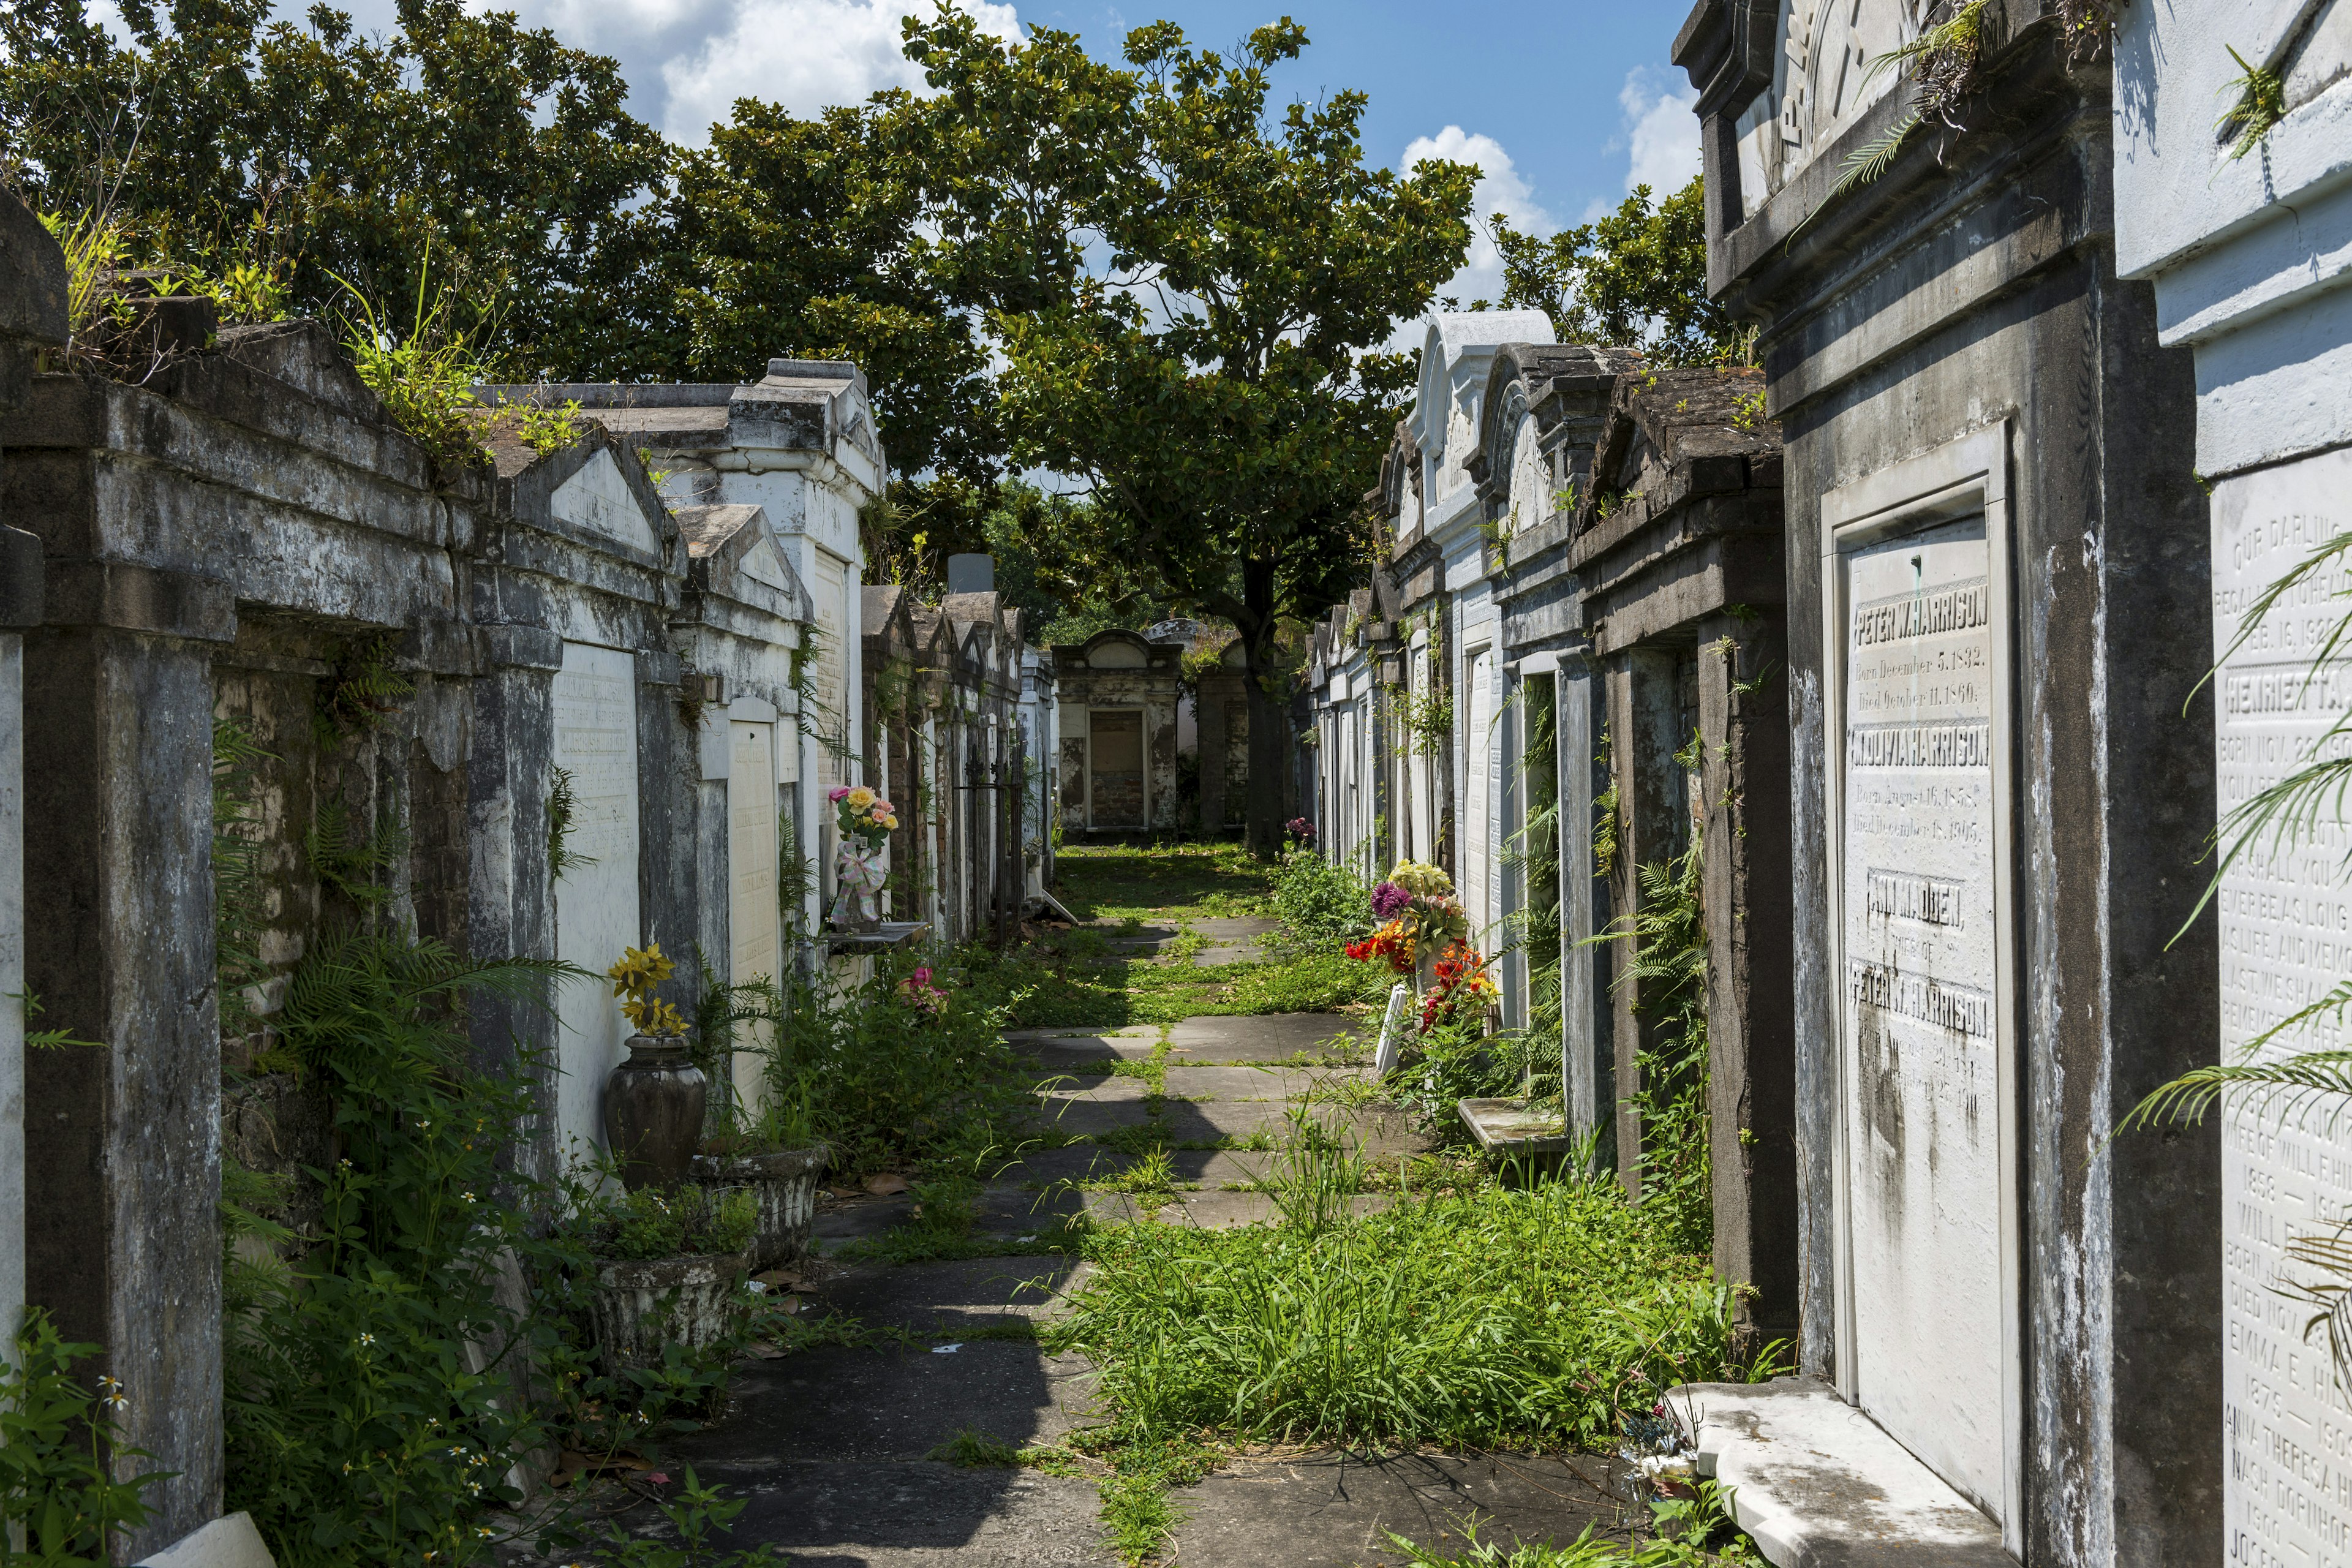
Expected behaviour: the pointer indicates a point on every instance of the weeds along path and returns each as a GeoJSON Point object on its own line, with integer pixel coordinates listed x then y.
{"type": "Point", "coordinates": [1083, 1350]}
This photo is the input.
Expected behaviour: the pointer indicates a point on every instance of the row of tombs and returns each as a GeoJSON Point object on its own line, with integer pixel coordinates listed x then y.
{"type": "Point", "coordinates": [282, 673]}
{"type": "Point", "coordinates": [1947, 635]}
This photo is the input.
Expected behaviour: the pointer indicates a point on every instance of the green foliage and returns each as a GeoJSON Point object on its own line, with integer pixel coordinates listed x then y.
{"type": "Point", "coordinates": [2261, 104]}
{"type": "Point", "coordinates": [1635, 278]}
{"type": "Point", "coordinates": [563, 809]}
{"type": "Point", "coordinates": [362, 692]}
{"type": "Point", "coordinates": [696, 1515]}
{"type": "Point", "coordinates": [1320, 903]}
{"type": "Point", "coordinates": [238, 892]}
{"type": "Point", "coordinates": [547, 431]}
{"type": "Point", "coordinates": [805, 238]}
{"type": "Point", "coordinates": [1190, 291]}
{"type": "Point", "coordinates": [884, 1083]}
{"type": "Point", "coordinates": [92, 242]}
{"type": "Point", "coordinates": [425, 374]}
{"type": "Point", "coordinates": [353, 863]}
{"type": "Point", "coordinates": [1668, 972]}
{"type": "Point", "coordinates": [972, 1449]}
{"type": "Point", "coordinates": [1695, 1532]}
{"type": "Point", "coordinates": [683, 1221]}
{"type": "Point", "coordinates": [356, 153]}
{"type": "Point", "coordinates": [59, 1459]}
{"type": "Point", "coordinates": [372, 1403]}
{"type": "Point", "coordinates": [1540, 1316]}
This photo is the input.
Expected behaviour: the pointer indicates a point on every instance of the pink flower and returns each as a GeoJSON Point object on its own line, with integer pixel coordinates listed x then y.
{"type": "Point", "coordinates": [837, 795]}
{"type": "Point", "coordinates": [883, 809]}
{"type": "Point", "coordinates": [657, 1478]}
{"type": "Point", "coordinates": [922, 976]}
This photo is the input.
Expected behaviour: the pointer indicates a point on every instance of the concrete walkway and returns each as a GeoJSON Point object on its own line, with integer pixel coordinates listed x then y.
{"type": "Point", "coordinates": [830, 1446]}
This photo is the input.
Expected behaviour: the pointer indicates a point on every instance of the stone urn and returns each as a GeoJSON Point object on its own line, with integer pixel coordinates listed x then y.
{"type": "Point", "coordinates": [785, 1186]}
{"type": "Point", "coordinates": [859, 870]}
{"type": "Point", "coordinates": [653, 1111]}
{"type": "Point", "coordinates": [637, 1306]}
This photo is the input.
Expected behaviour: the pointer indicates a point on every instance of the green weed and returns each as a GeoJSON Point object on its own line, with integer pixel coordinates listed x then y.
{"type": "Point", "coordinates": [972, 1449]}
{"type": "Point", "coordinates": [1492, 1318]}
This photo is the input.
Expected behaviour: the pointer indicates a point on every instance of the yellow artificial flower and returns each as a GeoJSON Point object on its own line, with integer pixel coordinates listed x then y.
{"type": "Point", "coordinates": [640, 970]}
{"type": "Point", "coordinates": [859, 797]}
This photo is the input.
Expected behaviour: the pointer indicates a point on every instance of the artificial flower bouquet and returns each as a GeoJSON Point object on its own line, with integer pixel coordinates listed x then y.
{"type": "Point", "coordinates": [1420, 898]}
{"type": "Point", "coordinates": [919, 991]}
{"type": "Point", "coordinates": [634, 979]}
{"type": "Point", "coordinates": [1462, 981]}
{"type": "Point", "coordinates": [863, 815]}
{"type": "Point", "coordinates": [1391, 945]}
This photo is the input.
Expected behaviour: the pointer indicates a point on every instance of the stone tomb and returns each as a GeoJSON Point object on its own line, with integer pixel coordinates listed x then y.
{"type": "Point", "coordinates": [1926, 1060]}
{"type": "Point", "coordinates": [596, 909]}
{"type": "Point", "coordinates": [2286, 911]}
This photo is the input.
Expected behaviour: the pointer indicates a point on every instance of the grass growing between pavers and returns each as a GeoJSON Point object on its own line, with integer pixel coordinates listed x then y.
{"type": "Point", "coordinates": [1531, 1318]}
{"type": "Point", "coordinates": [1215, 882]}
{"type": "Point", "coordinates": [1693, 1532]}
{"type": "Point", "coordinates": [1477, 1316]}
{"type": "Point", "coordinates": [1082, 979]}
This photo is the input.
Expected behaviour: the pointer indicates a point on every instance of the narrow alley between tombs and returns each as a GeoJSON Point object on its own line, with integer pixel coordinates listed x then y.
{"type": "Point", "coordinates": [1091, 1349]}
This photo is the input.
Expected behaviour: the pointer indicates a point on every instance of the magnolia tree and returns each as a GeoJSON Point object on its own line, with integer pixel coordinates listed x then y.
{"type": "Point", "coordinates": [1189, 290]}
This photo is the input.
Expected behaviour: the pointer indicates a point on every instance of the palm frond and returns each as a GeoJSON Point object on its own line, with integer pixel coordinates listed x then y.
{"type": "Point", "coordinates": [2302, 1080]}
{"type": "Point", "coordinates": [1870, 160]}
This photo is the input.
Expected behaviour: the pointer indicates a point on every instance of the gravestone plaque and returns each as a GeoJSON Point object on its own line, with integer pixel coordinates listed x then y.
{"type": "Point", "coordinates": [754, 919]}
{"type": "Point", "coordinates": [1476, 809]}
{"type": "Point", "coordinates": [1920, 948]}
{"type": "Point", "coordinates": [2285, 912]}
{"type": "Point", "coordinates": [595, 900]}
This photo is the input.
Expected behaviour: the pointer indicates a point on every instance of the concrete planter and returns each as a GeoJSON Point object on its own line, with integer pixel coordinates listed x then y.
{"type": "Point", "coordinates": [785, 1184]}
{"type": "Point", "coordinates": [637, 1306]}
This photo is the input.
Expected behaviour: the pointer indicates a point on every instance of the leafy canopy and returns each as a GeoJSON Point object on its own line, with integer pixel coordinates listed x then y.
{"type": "Point", "coordinates": [221, 136]}
{"type": "Point", "coordinates": [1635, 278]}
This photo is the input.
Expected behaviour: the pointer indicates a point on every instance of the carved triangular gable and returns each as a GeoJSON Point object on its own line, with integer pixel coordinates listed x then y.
{"type": "Point", "coordinates": [598, 498]}
{"type": "Point", "coordinates": [765, 565]}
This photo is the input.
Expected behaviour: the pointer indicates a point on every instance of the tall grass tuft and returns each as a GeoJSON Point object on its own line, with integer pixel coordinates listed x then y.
{"type": "Point", "coordinates": [1531, 1318]}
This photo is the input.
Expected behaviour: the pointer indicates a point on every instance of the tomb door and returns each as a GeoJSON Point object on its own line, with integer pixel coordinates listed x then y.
{"type": "Point", "coordinates": [597, 909]}
{"type": "Point", "coordinates": [1116, 787]}
{"type": "Point", "coordinates": [1928, 1226]}
{"type": "Point", "coordinates": [753, 919]}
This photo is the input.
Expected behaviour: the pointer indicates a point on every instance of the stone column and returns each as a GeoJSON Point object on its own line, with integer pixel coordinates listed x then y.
{"type": "Point", "coordinates": [1588, 1033]}
{"type": "Point", "coordinates": [510, 907]}
{"type": "Point", "coordinates": [1750, 1020]}
{"type": "Point", "coordinates": [122, 1141]}
{"type": "Point", "coordinates": [32, 317]}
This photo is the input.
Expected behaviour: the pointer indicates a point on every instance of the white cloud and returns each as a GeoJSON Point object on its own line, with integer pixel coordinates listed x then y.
{"type": "Point", "coordinates": [1501, 189]}
{"type": "Point", "coordinates": [687, 61]}
{"type": "Point", "coordinates": [803, 53]}
{"type": "Point", "coordinates": [1660, 131]}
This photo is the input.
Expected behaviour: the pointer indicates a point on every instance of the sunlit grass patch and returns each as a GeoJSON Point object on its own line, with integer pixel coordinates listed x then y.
{"type": "Point", "coordinates": [1493, 1319]}
{"type": "Point", "coordinates": [1218, 880]}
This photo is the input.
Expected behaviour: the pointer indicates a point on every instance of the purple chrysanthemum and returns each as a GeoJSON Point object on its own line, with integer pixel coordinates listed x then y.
{"type": "Point", "coordinates": [1388, 900]}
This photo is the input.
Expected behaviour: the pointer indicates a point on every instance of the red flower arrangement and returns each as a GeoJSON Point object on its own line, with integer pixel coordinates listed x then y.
{"type": "Point", "coordinates": [1391, 945]}
{"type": "Point", "coordinates": [1461, 977]}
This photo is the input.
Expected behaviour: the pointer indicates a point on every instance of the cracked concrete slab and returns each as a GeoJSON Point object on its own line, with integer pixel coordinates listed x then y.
{"type": "Point", "coordinates": [1335, 1510]}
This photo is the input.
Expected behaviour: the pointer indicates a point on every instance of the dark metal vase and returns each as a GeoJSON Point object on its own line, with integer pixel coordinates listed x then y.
{"type": "Point", "coordinates": [653, 1111]}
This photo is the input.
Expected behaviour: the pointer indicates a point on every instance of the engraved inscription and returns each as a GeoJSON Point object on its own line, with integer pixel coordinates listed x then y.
{"type": "Point", "coordinates": [1919, 1035]}
{"type": "Point", "coordinates": [1931, 901]}
{"type": "Point", "coordinates": [2286, 913]}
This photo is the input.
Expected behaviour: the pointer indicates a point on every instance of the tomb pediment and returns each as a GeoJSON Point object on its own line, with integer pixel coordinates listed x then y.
{"type": "Point", "coordinates": [599, 498]}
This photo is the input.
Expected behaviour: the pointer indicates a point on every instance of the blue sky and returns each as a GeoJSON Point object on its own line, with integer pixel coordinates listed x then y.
{"type": "Point", "coordinates": [1564, 103]}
